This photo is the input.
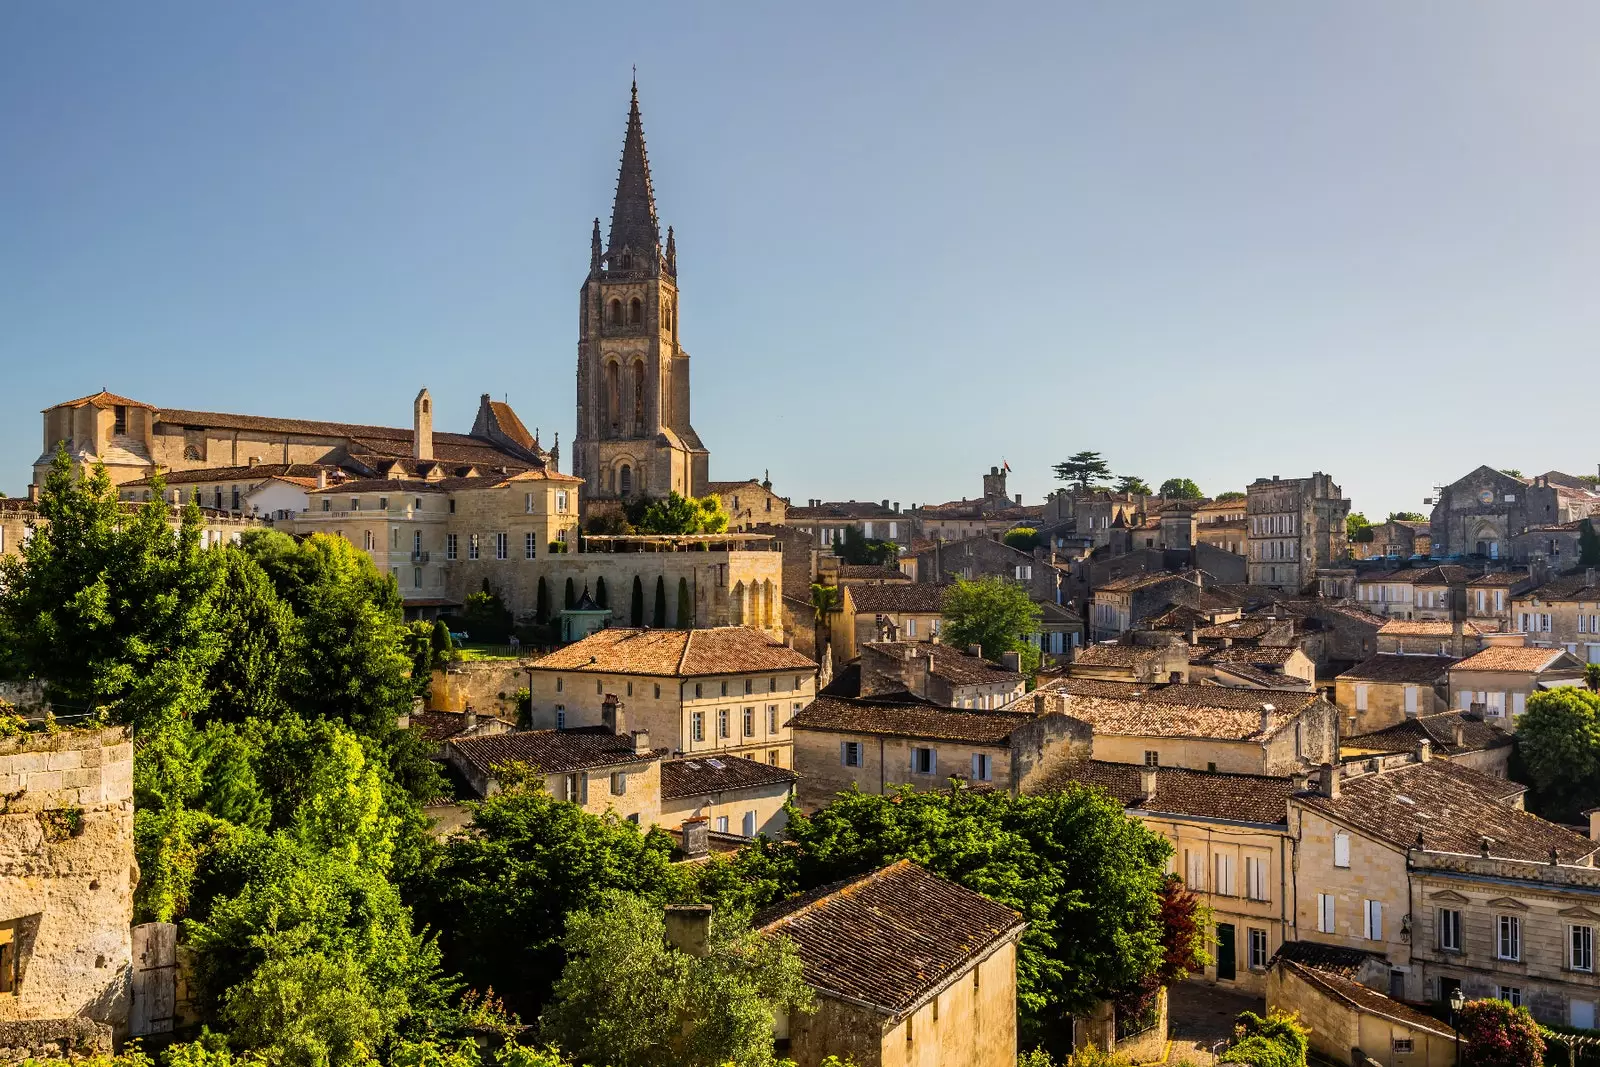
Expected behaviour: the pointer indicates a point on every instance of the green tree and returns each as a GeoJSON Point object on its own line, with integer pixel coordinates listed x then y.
{"type": "Point", "coordinates": [628, 999]}
{"type": "Point", "coordinates": [106, 606]}
{"type": "Point", "coordinates": [858, 550]}
{"type": "Point", "coordinates": [993, 613]}
{"type": "Point", "coordinates": [1511, 472]}
{"type": "Point", "coordinates": [658, 617]}
{"type": "Point", "coordinates": [1232, 494]}
{"type": "Point", "coordinates": [501, 894]}
{"type": "Point", "coordinates": [1591, 676]}
{"type": "Point", "coordinates": [824, 599]}
{"type": "Point", "coordinates": [1022, 538]}
{"type": "Point", "coordinates": [1085, 470]}
{"type": "Point", "coordinates": [1279, 1040]}
{"type": "Point", "coordinates": [443, 643]}
{"type": "Point", "coordinates": [684, 515]}
{"type": "Point", "coordinates": [601, 597]}
{"type": "Point", "coordinates": [1181, 489]}
{"type": "Point", "coordinates": [636, 605]}
{"type": "Point", "coordinates": [1133, 485]}
{"type": "Point", "coordinates": [1406, 516]}
{"type": "Point", "coordinates": [1588, 544]}
{"type": "Point", "coordinates": [485, 617]}
{"type": "Point", "coordinates": [541, 603]}
{"type": "Point", "coordinates": [685, 605]}
{"type": "Point", "coordinates": [1357, 528]}
{"type": "Point", "coordinates": [260, 666]}
{"type": "Point", "coordinates": [1558, 741]}
{"type": "Point", "coordinates": [356, 669]}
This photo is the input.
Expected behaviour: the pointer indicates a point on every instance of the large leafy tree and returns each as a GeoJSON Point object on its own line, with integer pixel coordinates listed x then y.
{"type": "Point", "coordinates": [1558, 741]}
{"type": "Point", "coordinates": [684, 515]}
{"type": "Point", "coordinates": [1357, 527]}
{"type": "Point", "coordinates": [1406, 516]}
{"type": "Point", "coordinates": [261, 664]}
{"type": "Point", "coordinates": [628, 999]}
{"type": "Point", "coordinates": [1085, 470]}
{"type": "Point", "coordinates": [107, 605]}
{"type": "Point", "coordinates": [1181, 489]}
{"type": "Point", "coordinates": [993, 613]}
{"type": "Point", "coordinates": [1588, 544]}
{"type": "Point", "coordinates": [857, 549]}
{"type": "Point", "coordinates": [1133, 485]}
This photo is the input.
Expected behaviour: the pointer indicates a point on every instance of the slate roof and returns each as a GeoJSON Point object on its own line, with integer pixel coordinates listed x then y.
{"type": "Point", "coordinates": [1396, 669]}
{"type": "Point", "coordinates": [951, 664]}
{"type": "Point", "coordinates": [1439, 729]}
{"type": "Point", "coordinates": [904, 718]}
{"type": "Point", "coordinates": [1203, 794]}
{"type": "Point", "coordinates": [1367, 1000]}
{"type": "Point", "coordinates": [551, 751]}
{"type": "Point", "coordinates": [676, 653]}
{"type": "Point", "coordinates": [718, 774]}
{"type": "Point", "coordinates": [1332, 959]}
{"type": "Point", "coordinates": [890, 937]}
{"type": "Point", "coordinates": [1453, 807]}
{"type": "Point", "coordinates": [1510, 658]}
{"type": "Point", "coordinates": [898, 598]}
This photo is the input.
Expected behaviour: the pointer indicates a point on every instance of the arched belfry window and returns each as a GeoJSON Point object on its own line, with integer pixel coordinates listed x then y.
{"type": "Point", "coordinates": [625, 480]}
{"type": "Point", "coordinates": [635, 312]}
{"type": "Point", "coordinates": [614, 312]}
{"type": "Point", "coordinates": [613, 395]}
{"type": "Point", "coordinates": [638, 397]}
{"type": "Point", "coordinates": [425, 404]}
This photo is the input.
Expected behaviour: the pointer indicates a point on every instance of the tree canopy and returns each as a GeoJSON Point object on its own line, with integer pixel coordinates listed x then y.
{"type": "Point", "coordinates": [1558, 741]}
{"type": "Point", "coordinates": [1406, 516]}
{"type": "Point", "coordinates": [1085, 470]}
{"type": "Point", "coordinates": [1588, 544]}
{"type": "Point", "coordinates": [683, 515]}
{"type": "Point", "coordinates": [1357, 528]}
{"type": "Point", "coordinates": [1181, 489]}
{"type": "Point", "coordinates": [1022, 538]}
{"type": "Point", "coordinates": [1133, 485]}
{"type": "Point", "coordinates": [1232, 494]}
{"type": "Point", "coordinates": [992, 612]}
{"type": "Point", "coordinates": [857, 549]}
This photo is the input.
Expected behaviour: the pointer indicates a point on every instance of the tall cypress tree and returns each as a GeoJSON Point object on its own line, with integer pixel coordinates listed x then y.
{"type": "Point", "coordinates": [685, 606]}
{"type": "Point", "coordinates": [636, 609]}
{"type": "Point", "coordinates": [660, 619]}
{"type": "Point", "coordinates": [571, 599]}
{"type": "Point", "coordinates": [601, 597]}
{"type": "Point", "coordinates": [541, 604]}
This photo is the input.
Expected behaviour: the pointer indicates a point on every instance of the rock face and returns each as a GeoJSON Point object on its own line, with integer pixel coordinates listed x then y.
{"type": "Point", "coordinates": [67, 874]}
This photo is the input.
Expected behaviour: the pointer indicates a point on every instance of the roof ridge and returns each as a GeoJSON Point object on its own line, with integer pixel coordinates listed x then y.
{"type": "Point", "coordinates": [683, 656]}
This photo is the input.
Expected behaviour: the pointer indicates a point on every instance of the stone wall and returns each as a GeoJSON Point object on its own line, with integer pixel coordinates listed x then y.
{"type": "Point", "coordinates": [53, 1039]}
{"type": "Point", "coordinates": [490, 686]}
{"type": "Point", "coordinates": [67, 872]}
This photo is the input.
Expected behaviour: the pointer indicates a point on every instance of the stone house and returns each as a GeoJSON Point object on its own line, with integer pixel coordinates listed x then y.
{"type": "Point", "coordinates": [984, 556]}
{"type": "Point", "coordinates": [1352, 1024]}
{"type": "Point", "coordinates": [1138, 656]}
{"type": "Point", "coordinates": [1253, 666]}
{"type": "Point", "coordinates": [1480, 513]}
{"type": "Point", "coordinates": [1501, 678]}
{"type": "Point", "coordinates": [1396, 539]}
{"type": "Point", "coordinates": [909, 970]}
{"type": "Point", "coordinates": [750, 503]}
{"type": "Point", "coordinates": [1388, 593]}
{"type": "Point", "coordinates": [1228, 834]}
{"type": "Point", "coordinates": [941, 674]}
{"type": "Point", "coordinates": [1462, 736]}
{"type": "Point", "coordinates": [1489, 598]}
{"type": "Point", "coordinates": [1563, 613]}
{"type": "Point", "coordinates": [826, 521]}
{"type": "Point", "coordinates": [1407, 637]}
{"type": "Point", "coordinates": [1431, 591]}
{"type": "Point", "coordinates": [1387, 689]}
{"type": "Point", "coordinates": [282, 487]}
{"type": "Point", "coordinates": [1369, 840]}
{"type": "Point", "coordinates": [902, 611]}
{"type": "Point", "coordinates": [592, 767]}
{"type": "Point", "coordinates": [699, 692]}
{"type": "Point", "coordinates": [1232, 536]}
{"type": "Point", "coordinates": [1124, 603]}
{"type": "Point", "coordinates": [735, 795]}
{"type": "Point", "coordinates": [991, 515]}
{"type": "Point", "coordinates": [1556, 546]}
{"type": "Point", "coordinates": [67, 876]}
{"type": "Point", "coordinates": [1199, 727]}
{"type": "Point", "coordinates": [1297, 525]}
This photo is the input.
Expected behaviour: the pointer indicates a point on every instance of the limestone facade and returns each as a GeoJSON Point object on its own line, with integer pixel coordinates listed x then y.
{"type": "Point", "coordinates": [1297, 525]}
{"type": "Point", "coordinates": [750, 504]}
{"type": "Point", "coordinates": [1480, 513]}
{"type": "Point", "coordinates": [1562, 613]}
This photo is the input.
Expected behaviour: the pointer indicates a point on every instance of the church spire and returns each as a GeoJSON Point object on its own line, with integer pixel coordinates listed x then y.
{"type": "Point", "coordinates": [633, 216]}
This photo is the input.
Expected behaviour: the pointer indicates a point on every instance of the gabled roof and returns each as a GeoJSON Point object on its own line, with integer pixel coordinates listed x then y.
{"type": "Point", "coordinates": [1179, 709]}
{"type": "Point", "coordinates": [1438, 729]}
{"type": "Point", "coordinates": [1368, 1001]}
{"type": "Point", "coordinates": [676, 653]}
{"type": "Point", "coordinates": [1397, 669]}
{"type": "Point", "coordinates": [1518, 658]}
{"type": "Point", "coordinates": [889, 938]}
{"type": "Point", "coordinates": [901, 717]}
{"type": "Point", "coordinates": [897, 598]}
{"type": "Point", "coordinates": [103, 399]}
{"type": "Point", "coordinates": [701, 775]}
{"type": "Point", "coordinates": [1333, 959]}
{"type": "Point", "coordinates": [551, 751]}
{"type": "Point", "coordinates": [951, 664]}
{"type": "Point", "coordinates": [1202, 794]}
{"type": "Point", "coordinates": [1427, 628]}
{"type": "Point", "coordinates": [1574, 586]}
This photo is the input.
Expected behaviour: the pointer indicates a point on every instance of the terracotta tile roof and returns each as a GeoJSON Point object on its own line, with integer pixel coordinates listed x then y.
{"type": "Point", "coordinates": [1567, 587]}
{"type": "Point", "coordinates": [1500, 578]}
{"type": "Point", "coordinates": [1253, 655]}
{"type": "Point", "coordinates": [1116, 654]}
{"type": "Point", "coordinates": [1258, 677]}
{"type": "Point", "coordinates": [1453, 807]}
{"type": "Point", "coordinates": [1416, 670]}
{"type": "Point", "coordinates": [1438, 729]}
{"type": "Point", "coordinates": [437, 726]}
{"type": "Point", "coordinates": [1203, 794]}
{"type": "Point", "coordinates": [718, 774]}
{"type": "Point", "coordinates": [1180, 617]}
{"type": "Point", "coordinates": [1333, 959]}
{"type": "Point", "coordinates": [728, 487]}
{"type": "Point", "coordinates": [1239, 629]}
{"type": "Point", "coordinates": [1131, 582]}
{"type": "Point", "coordinates": [103, 399]}
{"type": "Point", "coordinates": [890, 937]}
{"type": "Point", "coordinates": [676, 653]}
{"type": "Point", "coordinates": [511, 425]}
{"type": "Point", "coordinates": [898, 598]}
{"type": "Point", "coordinates": [400, 486]}
{"type": "Point", "coordinates": [551, 751]}
{"type": "Point", "coordinates": [1181, 710]}
{"type": "Point", "coordinates": [1447, 574]}
{"type": "Point", "coordinates": [260, 472]}
{"type": "Point", "coordinates": [869, 570]}
{"type": "Point", "coordinates": [1510, 658]}
{"type": "Point", "coordinates": [908, 718]}
{"type": "Point", "coordinates": [1427, 628]}
{"type": "Point", "coordinates": [1366, 1000]}
{"type": "Point", "coordinates": [844, 509]}
{"type": "Point", "coordinates": [951, 664]}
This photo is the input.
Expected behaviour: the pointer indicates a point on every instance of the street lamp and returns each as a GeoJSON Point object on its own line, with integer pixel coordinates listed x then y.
{"type": "Point", "coordinates": [1458, 1000]}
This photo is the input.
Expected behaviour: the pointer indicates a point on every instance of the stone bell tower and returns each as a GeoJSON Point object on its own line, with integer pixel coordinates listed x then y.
{"type": "Point", "coordinates": [634, 438]}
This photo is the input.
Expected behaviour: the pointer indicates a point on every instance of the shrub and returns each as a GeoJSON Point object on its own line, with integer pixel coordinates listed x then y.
{"type": "Point", "coordinates": [1495, 1034]}
{"type": "Point", "coordinates": [1276, 1041]}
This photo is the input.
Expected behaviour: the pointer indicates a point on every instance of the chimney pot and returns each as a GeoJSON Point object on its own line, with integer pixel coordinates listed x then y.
{"type": "Point", "coordinates": [322, 479]}
{"type": "Point", "coordinates": [1147, 783]}
{"type": "Point", "coordinates": [975, 650]}
{"type": "Point", "coordinates": [469, 719]}
{"type": "Point", "coordinates": [885, 504]}
{"type": "Point", "coordinates": [1329, 786]}
{"type": "Point", "coordinates": [1424, 750]}
{"type": "Point", "coordinates": [689, 927]}
{"type": "Point", "coordinates": [1458, 736]}
{"type": "Point", "coordinates": [641, 741]}
{"type": "Point", "coordinates": [1266, 717]}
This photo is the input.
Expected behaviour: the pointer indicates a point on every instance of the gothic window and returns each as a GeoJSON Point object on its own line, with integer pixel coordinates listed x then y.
{"type": "Point", "coordinates": [613, 394]}
{"type": "Point", "coordinates": [627, 261]}
{"type": "Point", "coordinates": [635, 312]}
{"type": "Point", "coordinates": [638, 398]}
{"type": "Point", "coordinates": [614, 312]}
{"type": "Point", "coordinates": [625, 480]}
{"type": "Point", "coordinates": [191, 452]}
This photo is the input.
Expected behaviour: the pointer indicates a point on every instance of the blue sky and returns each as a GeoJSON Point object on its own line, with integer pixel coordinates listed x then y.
{"type": "Point", "coordinates": [1216, 240]}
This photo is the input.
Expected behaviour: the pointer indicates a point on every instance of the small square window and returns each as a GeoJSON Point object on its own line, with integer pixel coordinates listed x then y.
{"type": "Point", "coordinates": [1152, 758]}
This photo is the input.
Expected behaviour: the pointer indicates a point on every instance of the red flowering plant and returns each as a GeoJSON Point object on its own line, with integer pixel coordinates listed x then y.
{"type": "Point", "coordinates": [1495, 1034]}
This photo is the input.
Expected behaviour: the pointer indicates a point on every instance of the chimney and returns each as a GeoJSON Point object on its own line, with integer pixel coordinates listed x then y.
{"type": "Point", "coordinates": [689, 928]}
{"type": "Point", "coordinates": [1266, 717]}
{"type": "Point", "coordinates": [1147, 783]}
{"type": "Point", "coordinates": [1588, 577]}
{"type": "Point", "coordinates": [641, 742]}
{"type": "Point", "coordinates": [422, 426]}
{"type": "Point", "coordinates": [322, 479]}
{"type": "Point", "coordinates": [254, 460]}
{"type": "Point", "coordinates": [1424, 750]}
{"type": "Point", "coordinates": [975, 650]}
{"type": "Point", "coordinates": [897, 507]}
{"type": "Point", "coordinates": [1329, 785]}
{"type": "Point", "coordinates": [1594, 824]}
{"type": "Point", "coordinates": [611, 714]}
{"type": "Point", "coordinates": [1019, 500]}
{"type": "Point", "coordinates": [1011, 661]}
{"type": "Point", "coordinates": [885, 504]}
{"type": "Point", "coordinates": [696, 839]}
{"type": "Point", "coordinates": [469, 719]}
{"type": "Point", "coordinates": [1458, 736]}
{"type": "Point", "coordinates": [1483, 847]}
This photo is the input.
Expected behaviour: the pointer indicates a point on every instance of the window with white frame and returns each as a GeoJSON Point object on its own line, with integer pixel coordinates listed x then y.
{"type": "Point", "coordinates": [697, 726]}
{"type": "Point", "coordinates": [1580, 955]}
{"type": "Point", "coordinates": [1195, 868]}
{"type": "Point", "coordinates": [1224, 883]}
{"type": "Point", "coordinates": [1403, 1046]}
{"type": "Point", "coordinates": [1449, 930]}
{"type": "Point", "coordinates": [1255, 877]}
{"type": "Point", "coordinates": [749, 722]}
{"type": "Point", "coordinates": [530, 545]}
{"type": "Point", "coordinates": [722, 824]}
{"type": "Point", "coordinates": [1341, 850]}
{"type": "Point", "coordinates": [924, 761]}
{"type": "Point", "coordinates": [772, 718]}
{"type": "Point", "coordinates": [1372, 920]}
{"type": "Point", "coordinates": [619, 783]}
{"type": "Point", "coordinates": [850, 753]}
{"type": "Point", "coordinates": [450, 546]}
{"type": "Point", "coordinates": [1509, 941]}
{"type": "Point", "coordinates": [1325, 913]}
{"type": "Point", "coordinates": [724, 728]}
{"type": "Point", "coordinates": [1258, 949]}
{"type": "Point", "coordinates": [911, 627]}
{"type": "Point", "coordinates": [472, 546]}
{"type": "Point", "coordinates": [1512, 995]}
{"type": "Point", "coordinates": [501, 546]}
